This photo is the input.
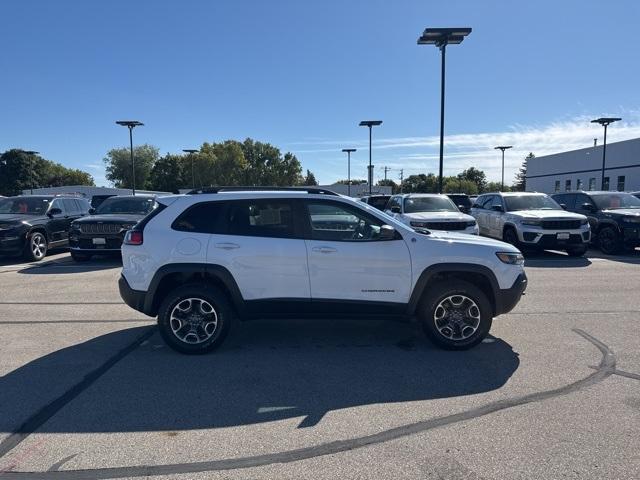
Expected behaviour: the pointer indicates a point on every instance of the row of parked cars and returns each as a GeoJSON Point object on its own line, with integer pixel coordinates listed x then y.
{"type": "Point", "coordinates": [31, 225]}
{"type": "Point", "coordinates": [567, 221]}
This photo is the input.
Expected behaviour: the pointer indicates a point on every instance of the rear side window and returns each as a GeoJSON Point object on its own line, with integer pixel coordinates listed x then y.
{"type": "Point", "coordinates": [202, 217]}
{"type": "Point", "coordinates": [71, 206]}
{"type": "Point", "coordinates": [261, 218]}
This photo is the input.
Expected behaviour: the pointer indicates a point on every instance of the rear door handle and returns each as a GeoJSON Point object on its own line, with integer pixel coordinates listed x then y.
{"type": "Point", "coordinates": [324, 249]}
{"type": "Point", "coordinates": [227, 246]}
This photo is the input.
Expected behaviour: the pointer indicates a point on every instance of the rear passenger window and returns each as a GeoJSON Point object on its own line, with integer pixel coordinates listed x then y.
{"type": "Point", "coordinates": [71, 206]}
{"type": "Point", "coordinates": [261, 218]}
{"type": "Point", "coordinates": [200, 218]}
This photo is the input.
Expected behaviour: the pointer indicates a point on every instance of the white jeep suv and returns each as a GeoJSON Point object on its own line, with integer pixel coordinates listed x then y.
{"type": "Point", "coordinates": [430, 211]}
{"type": "Point", "coordinates": [201, 261]}
{"type": "Point", "coordinates": [531, 220]}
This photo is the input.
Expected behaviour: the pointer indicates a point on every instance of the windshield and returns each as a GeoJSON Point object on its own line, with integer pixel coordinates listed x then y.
{"type": "Point", "coordinates": [428, 204]}
{"type": "Point", "coordinates": [612, 201]}
{"type": "Point", "coordinates": [530, 202]}
{"type": "Point", "coordinates": [126, 205]}
{"type": "Point", "coordinates": [25, 205]}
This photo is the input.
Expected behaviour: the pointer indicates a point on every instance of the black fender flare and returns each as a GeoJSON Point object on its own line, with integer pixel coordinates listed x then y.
{"type": "Point", "coordinates": [441, 268]}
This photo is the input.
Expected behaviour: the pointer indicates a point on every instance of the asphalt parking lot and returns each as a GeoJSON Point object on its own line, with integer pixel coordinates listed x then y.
{"type": "Point", "coordinates": [88, 390]}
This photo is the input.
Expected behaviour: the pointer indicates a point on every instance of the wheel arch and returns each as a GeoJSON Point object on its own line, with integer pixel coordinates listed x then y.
{"type": "Point", "coordinates": [478, 275]}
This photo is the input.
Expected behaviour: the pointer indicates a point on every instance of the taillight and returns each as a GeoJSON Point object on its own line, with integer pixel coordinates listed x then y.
{"type": "Point", "coordinates": [133, 237]}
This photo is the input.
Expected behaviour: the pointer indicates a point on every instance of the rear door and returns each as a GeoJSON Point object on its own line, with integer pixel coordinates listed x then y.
{"type": "Point", "coordinates": [482, 214]}
{"type": "Point", "coordinates": [58, 225]}
{"type": "Point", "coordinates": [577, 206]}
{"type": "Point", "coordinates": [263, 249]}
{"type": "Point", "coordinates": [496, 218]}
{"type": "Point", "coordinates": [347, 261]}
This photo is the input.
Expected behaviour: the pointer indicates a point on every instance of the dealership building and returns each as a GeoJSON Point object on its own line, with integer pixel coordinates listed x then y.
{"type": "Point", "coordinates": [582, 169]}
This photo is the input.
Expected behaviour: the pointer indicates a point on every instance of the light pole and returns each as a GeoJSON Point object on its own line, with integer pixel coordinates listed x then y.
{"type": "Point", "coordinates": [349, 151]}
{"type": "Point", "coordinates": [131, 124]}
{"type": "Point", "coordinates": [605, 122]}
{"type": "Point", "coordinates": [191, 151]}
{"type": "Point", "coordinates": [31, 153]}
{"type": "Point", "coordinates": [441, 37]}
{"type": "Point", "coordinates": [503, 148]}
{"type": "Point", "coordinates": [370, 124]}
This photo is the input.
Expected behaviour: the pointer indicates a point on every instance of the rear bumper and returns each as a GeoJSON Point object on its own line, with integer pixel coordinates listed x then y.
{"type": "Point", "coordinates": [134, 298]}
{"type": "Point", "coordinates": [507, 298]}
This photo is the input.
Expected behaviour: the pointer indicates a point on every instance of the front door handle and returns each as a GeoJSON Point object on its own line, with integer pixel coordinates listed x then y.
{"type": "Point", "coordinates": [324, 249]}
{"type": "Point", "coordinates": [227, 246]}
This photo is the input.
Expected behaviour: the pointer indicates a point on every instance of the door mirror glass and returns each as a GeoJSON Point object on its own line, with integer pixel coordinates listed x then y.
{"type": "Point", "coordinates": [564, 206]}
{"type": "Point", "coordinates": [54, 211]}
{"type": "Point", "coordinates": [395, 209]}
{"type": "Point", "coordinates": [387, 232]}
{"type": "Point", "coordinates": [497, 208]}
{"type": "Point", "coordinates": [587, 206]}
{"type": "Point", "coordinates": [92, 211]}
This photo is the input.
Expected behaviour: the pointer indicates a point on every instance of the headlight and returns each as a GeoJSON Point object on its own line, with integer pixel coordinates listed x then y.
{"type": "Point", "coordinates": [530, 222]}
{"type": "Point", "coordinates": [471, 223]}
{"type": "Point", "coordinates": [510, 258]}
{"type": "Point", "coordinates": [419, 224]}
{"type": "Point", "coordinates": [632, 219]}
{"type": "Point", "coordinates": [75, 226]}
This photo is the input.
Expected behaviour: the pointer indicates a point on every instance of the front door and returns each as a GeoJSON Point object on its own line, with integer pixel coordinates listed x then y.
{"type": "Point", "coordinates": [347, 260]}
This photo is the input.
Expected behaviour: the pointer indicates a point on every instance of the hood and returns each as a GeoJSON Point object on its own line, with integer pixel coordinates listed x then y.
{"type": "Point", "coordinates": [618, 211]}
{"type": "Point", "coordinates": [547, 215]}
{"type": "Point", "coordinates": [111, 218]}
{"type": "Point", "coordinates": [473, 240]}
{"type": "Point", "coordinates": [17, 218]}
{"type": "Point", "coordinates": [439, 216]}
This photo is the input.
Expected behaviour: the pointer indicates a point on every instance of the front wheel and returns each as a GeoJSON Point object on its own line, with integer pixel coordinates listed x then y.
{"type": "Point", "coordinates": [36, 247]}
{"type": "Point", "coordinates": [510, 236]}
{"type": "Point", "coordinates": [456, 315]}
{"type": "Point", "coordinates": [609, 241]}
{"type": "Point", "coordinates": [195, 319]}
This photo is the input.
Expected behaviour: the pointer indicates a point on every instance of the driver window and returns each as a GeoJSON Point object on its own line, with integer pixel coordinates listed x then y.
{"type": "Point", "coordinates": [335, 222]}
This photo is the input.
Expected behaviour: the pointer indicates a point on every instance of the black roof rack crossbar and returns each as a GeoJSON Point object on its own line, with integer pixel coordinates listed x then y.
{"type": "Point", "coordinates": [313, 190]}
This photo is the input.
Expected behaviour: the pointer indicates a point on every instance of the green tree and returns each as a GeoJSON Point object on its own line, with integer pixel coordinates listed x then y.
{"type": "Point", "coordinates": [496, 187]}
{"type": "Point", "coordinates": [520, 182]}
{"type": "Point", "coordinates": [476, 176]}
{"type": "Point", "coordinates": [222, 163]}
{"type": "Point", "coordinates": [168, 174]}
{"type": "Point", "coordinates": [458, 184]}
{"type": "Point", "coordinates": [267, 166]}
{"type": "Point", "coordinates": [309, 179]}
{"type": "Point", "coordinates": [389, 183]}
{"type": "Point", "coordinates": [118, 165]}
{"type": "Point", "coordinates": [357, 181]}
{"type": "Point", "coordinates": [420, 183]}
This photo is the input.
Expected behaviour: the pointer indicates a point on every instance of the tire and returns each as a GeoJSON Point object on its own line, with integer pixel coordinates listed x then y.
{"type": "Point", "coordinates": [510, 236]}
{"type": "Point", "coordinates": [577, 251]}
{"type": "Point", "coordinates": [435, 304]}
{"type": "Point", "coordinates": [80, 257]}
{"type": "Point", "coordinates": [36, 246]}
{"type": "Point", "coordinates": [609, 241]}
{"type": "Point", "coordinates": [197, 337]}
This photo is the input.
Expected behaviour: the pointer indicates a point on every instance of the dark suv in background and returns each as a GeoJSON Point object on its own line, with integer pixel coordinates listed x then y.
{"type": "Point", "coordinates": [614, 217]}
{"type": "Point", "coordinates": [103, 231]}
{"type": "Point", "coordinates": [30, 225]}
{"type": "Point", "coordinates": [376, 201]}
{"type": "Point", "coordinates": [462, 201]}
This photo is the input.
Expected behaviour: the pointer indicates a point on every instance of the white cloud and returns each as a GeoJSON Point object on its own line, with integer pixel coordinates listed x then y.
{"type": "Point", "coordinates": [420, 154]}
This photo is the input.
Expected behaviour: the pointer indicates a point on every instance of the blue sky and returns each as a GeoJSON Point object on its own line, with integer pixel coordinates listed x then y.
{"type": "Point", "coordinates": [302, 74]}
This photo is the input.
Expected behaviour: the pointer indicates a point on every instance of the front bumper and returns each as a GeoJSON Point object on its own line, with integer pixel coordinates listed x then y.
{"type": "Point", "coordinates": [507, 298]}
{"type": "Point", "coordinates": [631, 236]}
{"type": "Point", "coordinates": [134, 298]}
{"type": "Point", "coordinates": [11, 242]}
{"type": "Point", "coordinates": [84, 243]}
{"type": "Point", "coordinates": [545, 238]}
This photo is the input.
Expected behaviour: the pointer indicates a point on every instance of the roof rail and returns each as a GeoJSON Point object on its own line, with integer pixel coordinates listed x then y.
{"type": "Point", "coordinates": [313, 190]}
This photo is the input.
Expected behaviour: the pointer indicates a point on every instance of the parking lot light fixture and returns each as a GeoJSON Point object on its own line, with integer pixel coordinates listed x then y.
{"type": "Point", "coordinates": [441, 37]}
{"type": "Point", "coordinates": [31, 153]}
{"type": "Point", "coordinates": [503, 148]}
{"type": "Point", "coordinates": [370, 124]}
{"type": "Point", "coordinates": [191, 151]}
{"type": "Point", "coordinates": [131, 124]}
{"type": "Point", "coordinates": [349, 151]}
{"type": "Point", "coordinates": [605, 122]}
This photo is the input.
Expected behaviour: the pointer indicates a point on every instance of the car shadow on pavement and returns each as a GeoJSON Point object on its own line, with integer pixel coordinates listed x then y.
{"type": "Point", "coordinates": [267, 370]}
{"type": "Point", "coordinates": [68, 265]}
{"type": "Point", "coordinates": [555, 259]}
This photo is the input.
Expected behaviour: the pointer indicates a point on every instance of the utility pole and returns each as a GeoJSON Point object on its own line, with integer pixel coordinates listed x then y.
{"type": "Point", "coordinates": [386, 169]}
{"type": "Point", "coordinates": [401, 178]}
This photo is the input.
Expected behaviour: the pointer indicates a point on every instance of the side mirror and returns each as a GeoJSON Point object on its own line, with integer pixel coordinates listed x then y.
{"type": "Point", "coordinates": [92, 211]}
{"type": "Point", "coordinates": [564, 206]}
{"type": "Point", "coordinates": [53, 212]}
{"type": "Point", "coordinates": [588, 206]}
{"type": "Point", "coordinates": [497, 208]}
{"type": "Point", "coordinates": [463, 209]}
{"type": "Point", "coordinates": [387, 232]}
{"type": "Point", "coordinates": [395, 209]}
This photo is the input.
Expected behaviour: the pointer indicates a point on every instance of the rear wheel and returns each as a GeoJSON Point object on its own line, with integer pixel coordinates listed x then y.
{"type": "Point", "coordinates": [609, 241]}
{"type": "Point", "coordinates": [456, 315]}
{"type": "Point", "coordinates": [195, 319]}
{"type": "Point", "coordinates": [36, 247]}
